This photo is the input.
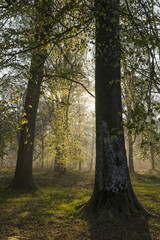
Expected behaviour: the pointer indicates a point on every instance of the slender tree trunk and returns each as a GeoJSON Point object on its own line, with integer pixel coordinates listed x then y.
{"type": "Point", "coordinates": [152, 157]}
{"type": "Point", "coordinates": [60, 160]}
{"type": "Point", "coordinates": [113, 194]}
{"type": "Point", "coordinates": [130, 153]}
{"type": "Point", "coordinates": [92, 150]}
{"type": "Point", "coordinates": [59, 164]}
{"type": "Point", "coordinates": [80, 166]}
{"type": "Point", "coordinates": [42, 156]}
{"type": "Point", "coordinates": [130, 142]}
{"type": "Point", "coordinates": [2, 160]}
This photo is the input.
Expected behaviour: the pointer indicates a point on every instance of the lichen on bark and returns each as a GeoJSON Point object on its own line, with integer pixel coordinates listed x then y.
{"type": "Point", "coordinates": [111, 168]}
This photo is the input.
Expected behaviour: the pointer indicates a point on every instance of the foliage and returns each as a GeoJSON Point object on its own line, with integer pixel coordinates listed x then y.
{"type": "Point", "coordinates": [28, 28]}
{"type": "Point", "coordinates": [140, 73]}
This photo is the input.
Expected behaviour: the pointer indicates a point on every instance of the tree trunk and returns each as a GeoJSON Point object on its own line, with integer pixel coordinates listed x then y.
{"type": "Point", "coordinates": [152, 157]}
{"type": "Point", "coordinates": [113, 194]}
{"type": "Point", "coordinates": [60, 163]}
{"type": "Point", "coordinates": [60, 131]}
{"type": "Point", "coordinates": [130, 153]}
{"type": "Point", "coordinates": [80, 166]}
{"type": "Point", "coordinates": [42, 149]}
{"type": "Point", "coordinates": [2, 160]}
{"type": "Point", "coordinates": [23, 174]}
{"type": "Point", "coordinates": [92, 150]}
{"type": "Point", "coordinates": [23, 178]}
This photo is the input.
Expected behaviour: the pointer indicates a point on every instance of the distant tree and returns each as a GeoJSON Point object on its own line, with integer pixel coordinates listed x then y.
{"type": "Point", "coordinates": [140, 68]}
{"type": "Point", "coordinates": [147, 143]}
{"type": "Point", "coordinates": [10, 110]}
{"type": "Point", "coordinates": [64, 100]}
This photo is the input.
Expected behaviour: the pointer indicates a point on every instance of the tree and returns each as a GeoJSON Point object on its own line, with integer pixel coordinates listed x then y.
{"type": "Point", "coordinates": [59, 140]}
{"type": "Point", "coordinates": [147, 143]}
{"type": "Point", "coordinates": [23, 174]}
{"type": "Point", "coordinates": [10, 110]}
{"type": "Point", "coordinates": [113, 193]}
{"type": "Point", "coordinates": [140, 83]}
{"type": "Point", "coordinates": [52, 25]}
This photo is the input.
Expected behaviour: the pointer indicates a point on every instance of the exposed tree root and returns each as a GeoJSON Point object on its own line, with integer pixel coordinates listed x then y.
{"type": "Point", "coordinates": [108, 205]}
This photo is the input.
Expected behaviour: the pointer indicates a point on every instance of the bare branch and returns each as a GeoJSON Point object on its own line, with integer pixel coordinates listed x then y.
{"type": "Point", "coordinates": [70, 79]}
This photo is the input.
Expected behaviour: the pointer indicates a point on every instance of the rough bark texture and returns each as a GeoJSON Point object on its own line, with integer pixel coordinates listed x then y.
{"type": "Point", "coordinates": [23, 174]}
{"type": "Point", "coordinates": [113, 194]}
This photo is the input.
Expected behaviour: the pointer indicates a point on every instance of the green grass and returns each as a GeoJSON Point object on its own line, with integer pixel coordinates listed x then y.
{"type": "Point", "coordinates": [50, 213]}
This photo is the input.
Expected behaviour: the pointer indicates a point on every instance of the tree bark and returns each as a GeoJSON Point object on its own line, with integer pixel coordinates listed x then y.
{"type": "Point", "coordinates": [23, 174]}
{"type": "Point", "coordinates": [113, 194]}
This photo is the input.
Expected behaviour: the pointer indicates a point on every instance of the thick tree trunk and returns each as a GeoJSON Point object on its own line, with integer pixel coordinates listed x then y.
{"type": "Point", "coordinates": [23, 178]}
{"type": "Point", "coordinates": [23, 174]}
{"type": "Point", "coordinates": [113, 194]}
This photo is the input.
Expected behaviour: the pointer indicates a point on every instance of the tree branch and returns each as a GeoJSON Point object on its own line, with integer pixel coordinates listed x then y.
{"type": "Point", "coordinates": [70, 79]}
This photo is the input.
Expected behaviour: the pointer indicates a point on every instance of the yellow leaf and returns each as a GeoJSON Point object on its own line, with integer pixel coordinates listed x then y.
{"type": "Point", "coordinates": [24, 114]}
{"type": "Point", "coordinates": [17, 99]}
{"type": "Point", "coordinates": [24, 120]}
{"type": "Point", "coordinates": [18, 127]}
{"type": "Point", "coordinates": [29, 106]}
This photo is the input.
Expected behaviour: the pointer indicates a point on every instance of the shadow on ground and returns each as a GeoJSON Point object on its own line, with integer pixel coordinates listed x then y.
{"type": "Point", "coordinates": [49, 213]}
{"type": "Point", "coordinates": [122, 229]}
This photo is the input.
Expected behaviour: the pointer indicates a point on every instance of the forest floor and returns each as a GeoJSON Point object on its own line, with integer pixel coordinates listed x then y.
{"type": "Point", "coordinates": [50, 213]}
